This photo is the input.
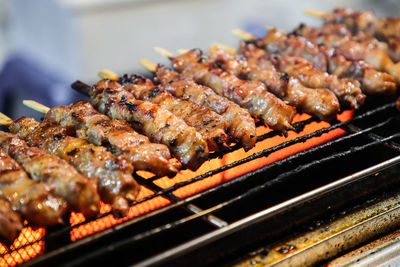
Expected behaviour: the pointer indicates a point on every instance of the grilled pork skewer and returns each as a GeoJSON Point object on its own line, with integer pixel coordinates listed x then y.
{"type": "Point", "coordinates": [347, 90]}
{"type": "Point", "coordinates": [10, 221]}
{"type": "Point", "coordinates": [372, 80]}
{"type": "Point", "coordinates": [34, 201]}
{"type": "Point", "coordinates": [240, 123]}
{"type": "Point", "coordinates": [79, 192]}
{"type": "Point", "coordinates": [209, 124]}
{"type": "Point", "coordinates": [353, 49]}
{"type": "Point", "coordinates": [116, 135]}
{"type": "Point", "coordinates": [366, 24]}
{"type": "Point", "coordinates": [248, 94]}
{"type": "Point", "coordinates": [112, 174]}
{"type": "Point", "coordinates": [361, 21]}
{"type": "Point", "coordinates": [317, 102]}
{"type": "Point", "coordinates": [160, 125]}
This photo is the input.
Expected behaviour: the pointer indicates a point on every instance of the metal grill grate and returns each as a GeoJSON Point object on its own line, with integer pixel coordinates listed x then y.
{"type": "Point", "coordinates": [364, 132]}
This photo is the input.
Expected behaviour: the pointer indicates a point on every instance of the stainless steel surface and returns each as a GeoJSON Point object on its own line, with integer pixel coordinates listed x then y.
{"type": "Point", "coordinates": [333, 238]}
{"type": "Point", "coordinates": [270, 212]}
{"type": "Point", "coordinates": [384, 251]}
{"type": "Point", "coordinates": [210, 218]}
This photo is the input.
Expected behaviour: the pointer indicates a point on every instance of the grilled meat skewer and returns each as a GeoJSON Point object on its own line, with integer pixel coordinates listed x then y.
{"type": "Point", "coordinates": [372, 80]}
{"type": "Point", "coordinates": [347, 90]}
{"type": "Point", "coordinates": [113, 175]}
{"type": "Point", "coordinates": [317, 102]}
{"type": "Point", "coordinates": [160, 125]}
{"type": "Point", "coordinates": [248, 94]}
{"type": "Point", "coordinates": [34, 201]}
{"type": "Point", "coordinates": [354, 49]}
{"type": "Point", "coordinates": [10, 221]}
{"type": "Point", "coordinates": [364, 21]}
{"type": "Point", "coordinates": [364, 24]}
{"type": "Point", "coordinates": [116, 135]}
{"type": "Point", "coordinates": [240, 123]}
{"type": "Point", "coordinates": [79, 192]}
{"type": "Point", "coordinates": [209, 124]}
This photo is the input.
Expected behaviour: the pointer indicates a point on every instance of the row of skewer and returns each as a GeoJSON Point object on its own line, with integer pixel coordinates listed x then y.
{"type": "Point", "coordinates": [86, 152]}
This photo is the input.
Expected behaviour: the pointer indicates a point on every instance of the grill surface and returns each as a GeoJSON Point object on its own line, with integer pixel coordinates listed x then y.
{"type": "Point", "coordinates": [259, 204]}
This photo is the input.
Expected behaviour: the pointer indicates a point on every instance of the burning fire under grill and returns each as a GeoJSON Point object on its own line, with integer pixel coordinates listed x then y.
{"type": "Point", "coordinates": [183, 193]}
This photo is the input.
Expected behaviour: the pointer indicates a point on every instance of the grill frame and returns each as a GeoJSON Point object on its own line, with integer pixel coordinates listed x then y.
{"type": "Point", "coordinates": [223, 230]}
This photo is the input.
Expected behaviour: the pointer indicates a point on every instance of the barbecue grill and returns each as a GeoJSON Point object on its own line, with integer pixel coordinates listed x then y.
{"type": "Point", "coordinates": [238, 201]}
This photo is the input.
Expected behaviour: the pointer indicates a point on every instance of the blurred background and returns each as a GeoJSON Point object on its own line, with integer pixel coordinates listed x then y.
{"type": "Point", "coordinates": [45, 45]}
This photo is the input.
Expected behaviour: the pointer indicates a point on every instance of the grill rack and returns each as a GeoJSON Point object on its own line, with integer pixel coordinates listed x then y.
{"type": "Point", "coordinates": [208, 214]}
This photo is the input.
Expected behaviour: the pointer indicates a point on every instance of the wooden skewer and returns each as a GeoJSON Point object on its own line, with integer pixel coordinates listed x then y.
{"type": "Point", "coordinates": [244, 35]}
{"type": "Point", "coordinates": [36, 106]}
{"type": "Point", "coordinates": [227, 48]}
{"type": "Point", "coordinates": [164, 52]}
{"type": "Point", "coordinates": [315, 13]}
{"type": "Point", "coordinates": [108, 74]}
{"type": "Point", "coordinates": [147, 64]}
{"type": "Point", "coordinates": [182, 51]}
{"type": "Point", "coordinates": [81, 87]}
{"type": "Point", "coordinates": [5, 120]}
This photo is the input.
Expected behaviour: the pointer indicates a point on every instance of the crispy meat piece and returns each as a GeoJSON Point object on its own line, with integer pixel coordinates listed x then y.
{"type": "Point", "coordinates": [116, 135]}
{"type": "Point", "coordinates": [388, 27]}
{"type": "Point", "coordinates": [277, 42]}
{"type": "Point", "coordinates": [79, 192]}
{"type": "Point", "coordinates": [372, 80]}
{"type": "Point", "coordinates": [320, 102]}
{"type": "Point", "coordinates": [10, 221]}
{"type": "Point", "coordinates": [355, 49]}
{"type": "Point", "coordinates": [317, 102]}
{"type": "Point", "coordinates": [356, 21]}
{"type": "Point", "coordinates": [393, 48]}
{"type": "Point", "coordinates": [113, 175]}
{"type": "Point", "coordinates": [370, 53]}
{"type": "Point", "coordinates": [365, 21]}
{"type": "Point", "coordinates": [240, 123]}
{"type": "Point", "coordinates": [209, 124]}
{"type": "Point", "coordinates": [160, 125]}
{"type": "Point", "coordinates": [248, 94]}
{"type": "Point", "coordinates": [34, 201]}
{"type": "Point", "coordinates": [347, 90]}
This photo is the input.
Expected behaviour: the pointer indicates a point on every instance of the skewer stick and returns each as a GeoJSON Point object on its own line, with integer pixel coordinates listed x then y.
{"type": "Point", "coordinates": [182, 51]}
{"type": "Point", "coordinates": [227, 48]}
{"type": "Point", "coordinates": [81, 87]}
{"type": "Point", "coordinates": [36, 106]}
{"type": "Point", "coordinates": [108, 74]}
{"type": "Point", "coordinates": [315, 13]}
{"type": "Point", "coordinates": [164, 52]}
{"type": "Point", "coordinates": [5, 120]}
{"type": "Point", "coordinates": [147, 64]}
{"type": "Point", "coordinates": [244, 35]}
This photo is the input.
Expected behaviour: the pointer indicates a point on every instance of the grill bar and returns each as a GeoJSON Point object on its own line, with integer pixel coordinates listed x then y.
{"type": "Point", "coordinates": [213, 220]}
{"type": "Point", "coordinates": [353, 128]}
